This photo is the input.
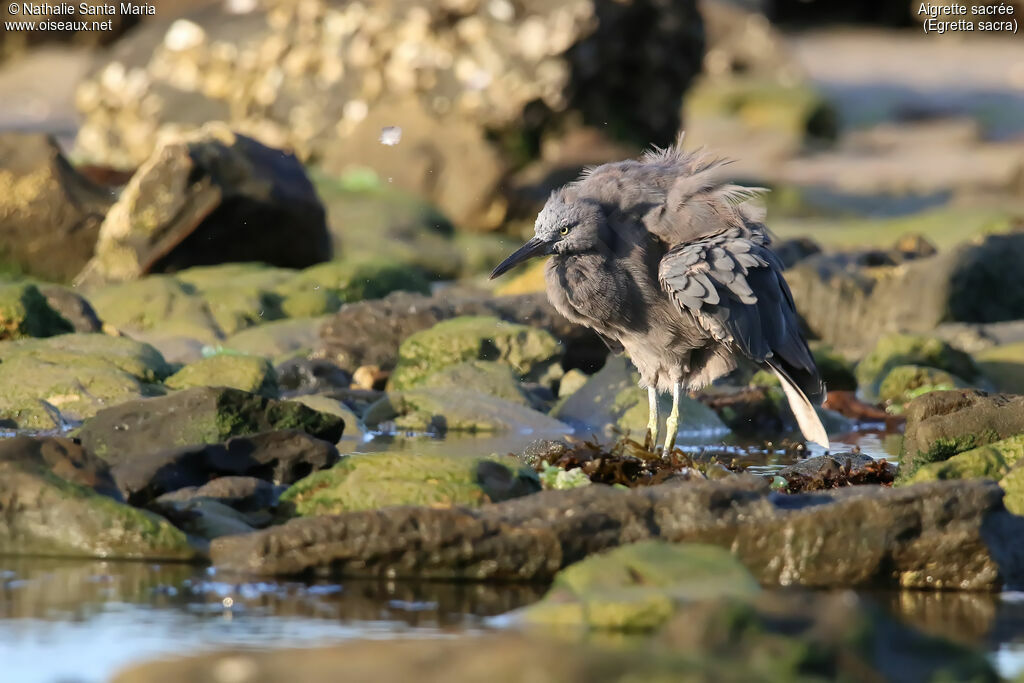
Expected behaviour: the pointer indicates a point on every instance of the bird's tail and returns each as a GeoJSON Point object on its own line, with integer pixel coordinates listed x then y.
{"type": "Point", "coordinates": [806, 417]}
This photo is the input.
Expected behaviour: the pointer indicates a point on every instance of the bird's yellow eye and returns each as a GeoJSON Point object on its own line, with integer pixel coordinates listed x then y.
{"type": "Point", "coordinates": [564, 231]}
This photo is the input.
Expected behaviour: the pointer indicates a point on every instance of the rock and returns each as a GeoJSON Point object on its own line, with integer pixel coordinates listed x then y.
{"type": "Point", "coordinates": [832, 471]}
{"type": "Point", "coordinates": [303, 376]}
{"type": "Point", "coordinates": [636, 587]}
{"type": "Point", "coordinates": [486, 377]}
{"type": "Point", "coordinates": [45, 514]}
{"type": "Point", "coordinates": [940, 535]}
{"type": "Point", "coordinates": [903, 383]}
{"type": "Point", "coordinates": [1012, 485]}
{"type": "Point", "coordinates": [332, 406]}
{"type": "Point", "coordinates": [529, 351]}
{"type": "Point", "coordinates": [238, 295]}
{"type": "Point", "coordinates": [943, 423]}
{"type": "Point", "coordinates": [440, 411]}
{"type": "Point", "coordinates": [742, 43]}
{"type": "Point", "coordinates": [73, 307]}
{"type": "Point", "coordinates": [370, 333]}
{"type": "Point", "coordinates": [354, 280]}
{"type": "Point", "coordinates": [851, 306]}
{"type": "Point", "coordinates": [245, 494]}
{"type": "Point", "coordinates": [571, 382]}
{"type": "Point", "coordinates": [203, 415]}
{"type": "Point", "coordinates": [50, 214]}
{"type": "Point", "coordinates": [612, 401]}
{"type": "Point", "coordinates": [461, 119]}
{"type": "Point", "coordinates": [49, 382]}
{"type": "Point", "coordinates": [25, 312]}
{"type": "Point", "coordinates": [835, 369]}
{"type": "Point", "coordinates": [280, 339]}
{"type": "Point", "coordinates": [280, 457]}
{"type": "Point", "coordinates": [203, 518]}
{"type": "Point", "coordinates": [1004, 366]}
{"type": "Point", "coordinates": [910, 349]}
{"type": "Point", "coordinates": [975, 338]}
{"type": "Point", "coordinates": [795, 637]}
{"type": "Point", "coordinates": [372, 481]}
{"type": "Point", "coordinates": [992, 461]}
{"type": "Point", "coordinates": [64, 458]}
{"type": "Point", "coordinates": [248, 373]}
{"type": "Point", "coordinates": [209, 197]}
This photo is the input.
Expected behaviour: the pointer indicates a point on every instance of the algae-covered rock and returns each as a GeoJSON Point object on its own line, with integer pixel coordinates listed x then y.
{"type": "Point", "coordinates": [638, 587]}
{"type": "Point", "coordinates": [992, 461]}
{"type": "Point", "coordinates": [332, 406]}
{"type": "Point", "coordinates": [941, 424]}
{"type": "Point", "coordinates": [531, 352]}
{"type": "Point", "coordinates": [248, 373]}
{"type": "Point", "coordinates": [355, 280]}
{"type": "Point", "coordinates": [279, 339]}
{"type": "Point", "coordinates": [47, 515]}
{"type": "Point", "coordinates": [487, 377]}
{"type": "Point", "coordinates": [44, 381]}
{"type": "Point", "coordinates": [836, 371]}
{"type": "Point", "coordinates": [376, 480]}
{"type": "Point", "coordinates": [157, 302]}
{"type": "Point", "coordinates": [202, 415]}
{"type": "Point", "coordinates": [1013, 487]}
{"type": "Point", "coordinates": [903, 383]}
{"type": "Point", "coordinates": [612, 400]}
{"type": "Point", "coordinates": [911, 349]}
{"type": "Point", "coordinates": [1004, 366]}
{"type": "Point", "coordinates": [458, 410]}
{"type": "Point", "coordinates": [25, 312]}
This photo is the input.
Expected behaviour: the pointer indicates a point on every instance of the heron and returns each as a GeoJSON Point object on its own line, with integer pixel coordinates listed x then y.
{"type": "Point", "coordinates": [673, 265]}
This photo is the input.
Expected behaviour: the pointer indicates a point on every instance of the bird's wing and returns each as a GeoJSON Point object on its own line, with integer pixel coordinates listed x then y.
{"type": "Point", "coordinates": [732, 285]}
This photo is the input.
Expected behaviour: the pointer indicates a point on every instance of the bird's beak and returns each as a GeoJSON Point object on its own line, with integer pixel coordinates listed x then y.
{"type": "Point", "coordinates": [535, 247]}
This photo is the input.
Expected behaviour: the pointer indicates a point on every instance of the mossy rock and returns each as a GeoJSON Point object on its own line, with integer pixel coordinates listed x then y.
{"type": "Point", "coordinates": [332, 406]}
{"type": "Point", "coordinates": [278, 340]}
{"type": "Point", "coordinates": [530, 352]}
{"type": "Point", "coordinates": [457, 410]}
{"type": "Point", "coordinates": [487, 377]}
{"type": "Point", "coordinates": [72, 377]}
{"type": "Point", "coordinates": [157, 302]}
{"type": "Point", "coordinates": [357, 279]}
{"type": "Point", "coordinates": [201, 415]}
{"type": "Point", "coordinates": [48, 515]}
{"type": "Point", "coordinates": [904, 383]}
{"type": "Point", "coordinates": [1013, 487]}
{"type": "Point", "coordinates": [911, 349]}
{"type": "Point", "coordinates": [836, 370]}
{"type": "Point", "coordinates": [796, 112]}
{"type": "Point", "coordinates": [237, 371]}
{"type": "Point", "coordinates": [638, 587]}
{"type": "Point", "coordinates": [1004, 367]}
{"type": "Point", "coordinates": [376, 480]}
{"type": "Point", "coordinates": [251, 277]}
{"type": "Point", "coordinates": [611, 401]}
{"type": "Point", "coordinates": [24, 312]}
{"type": "Point", "coordinates": [992, 461]}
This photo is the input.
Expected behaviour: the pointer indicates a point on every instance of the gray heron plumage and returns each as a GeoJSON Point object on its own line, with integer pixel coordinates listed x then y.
{"type": "Point", "coordinates": [673, 265]}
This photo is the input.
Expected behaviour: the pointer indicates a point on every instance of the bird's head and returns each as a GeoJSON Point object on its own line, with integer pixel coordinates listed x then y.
{"type": "Point", "coordinates": [563, 226]}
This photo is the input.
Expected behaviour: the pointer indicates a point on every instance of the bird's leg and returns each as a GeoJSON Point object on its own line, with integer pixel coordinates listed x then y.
{"type": "Point", "coordinates": [652, 418]}
{"type": "Point", "coordinates": [672, 424]}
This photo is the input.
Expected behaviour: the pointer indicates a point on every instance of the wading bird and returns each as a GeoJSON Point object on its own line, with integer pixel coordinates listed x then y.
{"type": "Point", "coordinates": [673, 266]}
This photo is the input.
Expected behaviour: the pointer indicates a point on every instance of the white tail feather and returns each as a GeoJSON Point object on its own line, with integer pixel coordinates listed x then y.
{"type": "Point", "coordinates": [806, 418]}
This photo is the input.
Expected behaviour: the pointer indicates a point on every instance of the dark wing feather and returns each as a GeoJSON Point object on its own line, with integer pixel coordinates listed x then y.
{"type": "Point", "coordinates": [733, 287]}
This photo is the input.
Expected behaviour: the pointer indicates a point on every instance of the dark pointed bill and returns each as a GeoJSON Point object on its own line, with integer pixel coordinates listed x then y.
{"type": "Point", "coordinates": [535, 247]}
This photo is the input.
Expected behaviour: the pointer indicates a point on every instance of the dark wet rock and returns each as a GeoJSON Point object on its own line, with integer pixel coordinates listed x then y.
{"type": "Point", "coordinates": [531, 352]}
{"type": "Point", "coordinates": [51, 383]}
{"type": "Point", "coordinates": [834, 471]}
{"type": "Point", "coordinates": [193, 417]}
{"type": "Point", "coordinates": [304, 376]}
{"type": "Point", "coordinates": [942, 535]}
{"type": "Point", "coordinates": [637, 587]}
{"type": "Point", "coordinates": [850, 306]}
{"type": "Point", "coordinates": [377, 480]}
{"type": "Point", "coordinates": [64, 458]}
{"type": "Point", "coordinates": [45, 514]}
{"type": "Point", "coordinates": [332, 406]}
{"type": "Point", "coordinates": [896, 350]}
{"type": "Point", "coordinates": [835, 369]}
{"type": "Point", "coordinates": [25, 312]}
{"type": "Point", "coordinates": [252, 502]}
{"type": "Point", "coordinates": [203, 517]}
{"type": "Point", "coordinates": [73, 307]}
{"type": "Point", "coordinates": [440, 411]}
{"type": "Point", "coordinates": [281, 457]}
{"type": "Point", "coordinates": [461, 126]}
{"type": "Point", "coordinates": [943, 423]}
{"type": "Point", "coordinates": [247, 373]}
{"type": "Point", "coordinates": [612, 402]}
{"type": "Point", "coordinates": [792, 251]}
{"type": "Point", "coordinates": [245, 494]}
{"type": "Point", "coordinates": [778, 638]}
{"type": "Point", "coordinates": [370, 332]}
{"type": "Point", "coordinates": [50, 213]}
{"type": "Point", "coordinates": [210, 197]}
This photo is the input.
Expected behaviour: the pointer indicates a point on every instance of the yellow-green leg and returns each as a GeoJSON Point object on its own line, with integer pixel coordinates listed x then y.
{"type": "Point", "coordinates": [672, 423]}
{"type": "Point", "coordinates": [652, 418]}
